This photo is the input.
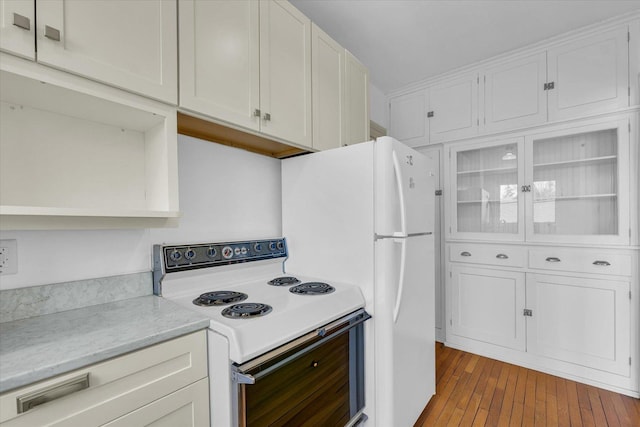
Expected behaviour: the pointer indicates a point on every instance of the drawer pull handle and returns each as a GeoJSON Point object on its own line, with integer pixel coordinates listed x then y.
{"type": "Point", "coordinates": [465, 253]}
{"type": "Point", "coordinates": [31, 400]}
{"type": "Point", "coordinates": [603, 263]}
{"type": "Point", "coordinates": [315, 364]}
{"type": "Point", "coordinates": [502, 256]}
{"type": "Point", "coordinates": [552, 259]}
{"type": "Point", "coordinates": [21, 21]}
{"type": "Point", "coordinates": [52, 33]}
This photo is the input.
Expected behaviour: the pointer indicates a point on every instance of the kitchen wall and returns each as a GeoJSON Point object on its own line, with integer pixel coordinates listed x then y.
{"type": "Point", "coordinates": [225, 194]}
{"type": "Point", "coordinates": [378, 106]}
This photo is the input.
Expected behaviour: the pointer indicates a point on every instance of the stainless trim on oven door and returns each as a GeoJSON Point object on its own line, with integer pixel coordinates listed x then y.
{"type": "Point", "coordinates": [327, 333]}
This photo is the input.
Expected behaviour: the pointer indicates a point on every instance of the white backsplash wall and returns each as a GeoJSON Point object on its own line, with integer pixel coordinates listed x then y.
{"type": "Point", "coordinates": [378, 106]}
{"type": "Point", "coordinates": [225, 194]}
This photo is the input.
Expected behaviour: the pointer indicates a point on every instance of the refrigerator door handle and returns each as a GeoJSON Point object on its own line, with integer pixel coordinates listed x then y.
{"type": "Point", "coordinates": [403, 261]}
{"type": "Point", "coordinates": [398, 174]}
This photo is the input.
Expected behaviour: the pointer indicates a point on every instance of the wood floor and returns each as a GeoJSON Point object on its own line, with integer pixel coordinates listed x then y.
{"type": "Point", "coordinates": [472, 390]}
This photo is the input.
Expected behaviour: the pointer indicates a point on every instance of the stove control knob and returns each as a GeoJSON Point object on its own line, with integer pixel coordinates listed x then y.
{"type": "Point", "coordinates": [257, 247]}
{"type": "Point", "coordinates": [190, 254]}
{"type": "Point", "coordinates": [280, 245]}
{"type": "Point", "coordinates": [227, 252]}
{"type": "Point", "coordinates": [243, 250]}
{"type": "Point", "coordinates": [272, 246]}
{"type": "Point", "coordinates": [211, 252]}
{"type": "Point", "coordinates": [175, 255]}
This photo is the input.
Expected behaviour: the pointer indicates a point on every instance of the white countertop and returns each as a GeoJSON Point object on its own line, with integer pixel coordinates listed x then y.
{"type": "Point", "coordinates": [41, 347]}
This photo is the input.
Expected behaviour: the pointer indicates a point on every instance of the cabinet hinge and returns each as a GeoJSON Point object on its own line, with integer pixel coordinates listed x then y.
{"type": "Point", "coordinates": [629, 125]}
{"type": "Point", "coordinates": [478, 122]}
{"type": "Point", "coordinates": [629, 294]}
{"type": "Point", "coordinates": [628, 36]}
{"type": "Point", "coordinates": [526, 188]}
{"type": "Point", "coordinates": [438, 192]}
{"type": "Point", "coordinates": [450, 274]}
{"type": "Point", "coordinates": [450, 322]}
{"type": "Point", "coordinates": [430, 113]}
{"type": "Point", "coordinates": [629, 361]}
{"type": "Point", "coordinates": [478, 79]}
{"type": "Point", "coordinates": [549, 86]}
{"type": "Point", "coordinates": [527, 312]}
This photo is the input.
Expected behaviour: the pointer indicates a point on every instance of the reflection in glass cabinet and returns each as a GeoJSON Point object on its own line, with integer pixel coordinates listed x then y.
{"type": "Point", "coordinates": [575, 187]}
{"type": "Point", "coordinates": [487, 189]}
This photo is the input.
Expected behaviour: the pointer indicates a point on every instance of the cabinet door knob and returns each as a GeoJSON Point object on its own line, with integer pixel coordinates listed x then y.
{"type": "Point", "coordinates": [21, 21]}
{"type": "Point", "coordinates": [51, 33]}
{"type": "Point", "coordinates": [465, 253]}
{"type": "Point", "coordinates": [267, 117]}
{"type": "Point", "coordinates": [603, 263]}
{"type": "Point", "coordinates": [552, 259]}
{"type": "Point", "coordinates": [256, 112]}
{"type": "Point", "coordinates": [502, 256]}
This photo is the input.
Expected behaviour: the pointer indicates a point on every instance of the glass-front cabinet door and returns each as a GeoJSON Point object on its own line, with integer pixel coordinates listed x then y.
{"type": "Point", "coordinates": [577, 182]}
{"type": "Point", "coordinates": [487, 180]}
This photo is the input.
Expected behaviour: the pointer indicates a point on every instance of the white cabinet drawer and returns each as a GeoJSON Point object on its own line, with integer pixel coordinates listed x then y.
{"type": "Point", "coordinates": [116, 386]}
{"type": "Point", "coordinates": [581, 261]}
{"type": "Point", "coordinates": [509, 256]}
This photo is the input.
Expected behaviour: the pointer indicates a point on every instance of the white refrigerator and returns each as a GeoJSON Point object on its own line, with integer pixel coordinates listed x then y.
{"type": "Point", "coordinates": [365, 214]}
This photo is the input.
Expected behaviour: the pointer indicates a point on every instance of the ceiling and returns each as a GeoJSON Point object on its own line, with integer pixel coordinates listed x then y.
{"type": "Point", "coordinates": [405, 41]}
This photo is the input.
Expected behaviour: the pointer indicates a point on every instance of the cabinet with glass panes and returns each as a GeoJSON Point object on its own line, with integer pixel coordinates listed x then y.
{"type": "Point", "coordinates": [568, 184]}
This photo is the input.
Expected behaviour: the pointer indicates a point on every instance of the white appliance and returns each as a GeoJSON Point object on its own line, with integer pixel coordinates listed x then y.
{"type": "Point", "coordinates": [265, 322]}
{"type": "Point", "coordinates": [365, 214]}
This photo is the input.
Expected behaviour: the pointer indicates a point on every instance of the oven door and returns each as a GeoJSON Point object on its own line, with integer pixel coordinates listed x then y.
{"type": "Point", "coordinates": [317, 379]}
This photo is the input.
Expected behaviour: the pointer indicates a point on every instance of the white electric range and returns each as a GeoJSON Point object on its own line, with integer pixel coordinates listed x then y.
{"type": "Point", "coordinates": [264, 321]}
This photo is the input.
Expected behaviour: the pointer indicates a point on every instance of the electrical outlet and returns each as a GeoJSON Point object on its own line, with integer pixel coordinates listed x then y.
{"type": "Point", "coordinates": [8, 256]}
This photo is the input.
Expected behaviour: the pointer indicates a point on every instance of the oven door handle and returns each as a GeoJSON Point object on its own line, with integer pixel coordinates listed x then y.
{"type": "Point", "coordinates": [240, 375]}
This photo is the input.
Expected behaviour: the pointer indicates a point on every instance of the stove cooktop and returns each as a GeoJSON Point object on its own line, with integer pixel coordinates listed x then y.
{"type": "Point", "coordinates": [283, 313]}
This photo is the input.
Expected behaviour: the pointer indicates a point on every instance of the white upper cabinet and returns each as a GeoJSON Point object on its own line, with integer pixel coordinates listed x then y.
{"type": "Point", "coordinates": [590, 75]}
{"type": "Point", "coordinates": [634, 62]}
{"type": "Point", "coordinates": [328, 92]}
{"type": "Point", "coordinates": [514, 94]}
{"type": "Point", "coordinates": [408, 121]}
{"type": "Point", "coordinates": [285, 72]}
{"type": "Point", "coordinates": [575, 78]}
{"type": "Point", "coordinates": [485, 189]}
{"type": "Point", "coordinates": [567, 185]}
{"type": "Point", "coordinates": [219, 60]}
{"type": "Point", "coordinates": [454, 108]}
{"type": "Point", "coordinates": [131, 45]}
{"type": "Point", "coordinates": [356, 101]}
{"type": "Point", "coordinates": [248, 63]}
{"type": "Point", "coordinates": [17, 28]}
{"type": "Point", "coordinates": [578, 184]}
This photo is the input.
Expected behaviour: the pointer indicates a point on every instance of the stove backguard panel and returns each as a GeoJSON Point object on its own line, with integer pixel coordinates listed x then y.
{"type": "Point", "coordinates": [174, 258]}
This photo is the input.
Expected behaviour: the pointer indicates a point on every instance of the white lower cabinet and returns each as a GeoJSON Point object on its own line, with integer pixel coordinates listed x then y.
{"type": "Point", "coordinates": [486, 305]}
{"type": "Point", "coordinates": [574, 317]}
{"type": "Point", "coordinates": [578, 320]}
{"type": "Point", "coordinates": [162, 385]}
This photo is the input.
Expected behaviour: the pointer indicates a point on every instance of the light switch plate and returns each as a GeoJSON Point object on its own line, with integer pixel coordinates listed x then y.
{"type": "Point", "coordinates": [8, 256]}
